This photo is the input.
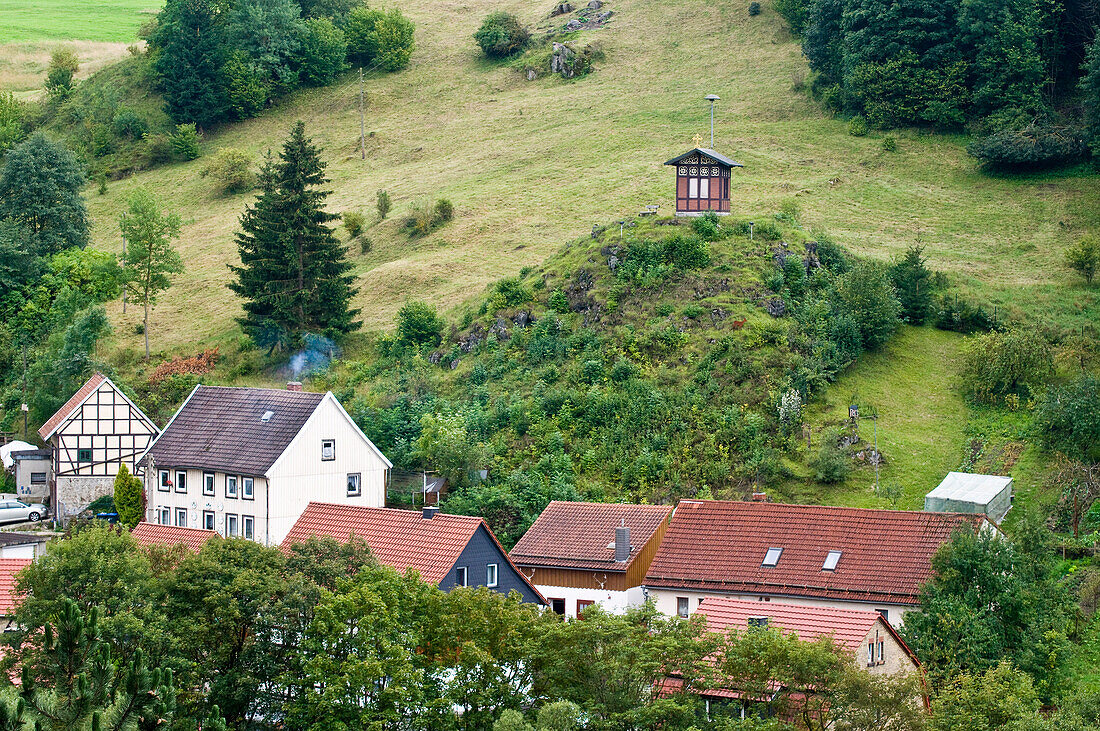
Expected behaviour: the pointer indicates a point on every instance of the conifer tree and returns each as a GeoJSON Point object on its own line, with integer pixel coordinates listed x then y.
{"type": "Point", "coordinates": [294, 272]}
{"type": "Point", "coordinates": [40, 191]}
{"type": "Point", "coordinates": [129, 497]}
{"type": "Point", "coordinates": [190, 59]}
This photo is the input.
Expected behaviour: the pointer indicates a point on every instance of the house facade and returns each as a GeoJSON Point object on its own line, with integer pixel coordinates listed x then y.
{"type": "Point", "coordinates": [97, 431]}
{"type": "Point", "coordinates": [808, 555]}
{"type": "Point", "coordinates": [578, 554]}
{"type": "Point", "coordinates": [702, 182]}
{"type": "Point", "coordinates": [32, 469]}
{"type": "Point", "coordinates": [247, 461]}
{"type": "Point", "coordinates": [445, 550]}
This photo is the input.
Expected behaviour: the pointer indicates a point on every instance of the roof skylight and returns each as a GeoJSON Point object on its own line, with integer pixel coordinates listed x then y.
{"type": "Point", "coordinates": [267, 416]}
{"type": "Point", "coordinates": [771, 558]}
{"type": "Point", "coordinates": [831, 560]}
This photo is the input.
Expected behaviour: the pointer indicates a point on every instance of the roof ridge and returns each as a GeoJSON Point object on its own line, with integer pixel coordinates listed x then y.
{"type": "Point", "coordinates": [261, 388]}
{"type": "Point", "coordinates": [891, 511]}
{"type": "Point", "coordinates": [394, 510]}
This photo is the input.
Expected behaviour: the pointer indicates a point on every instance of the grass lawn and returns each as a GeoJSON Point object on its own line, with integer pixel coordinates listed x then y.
{"type": "Point", "coordinates": [114, 21]}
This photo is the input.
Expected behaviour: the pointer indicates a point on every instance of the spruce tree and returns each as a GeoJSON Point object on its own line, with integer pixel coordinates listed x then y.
{"type": "Point", "coordinates": [40, 191]}
{"type": "Point", "coordinates": [129, 497]}
{"type": "Point", "coordinates": [1090, 93]}
{"type": "Point", "coordinates": [189, 62]}
{"type": "Point", "coordinates": [913, 284]}
{"type": "Point", "coordinates": [294, 274]}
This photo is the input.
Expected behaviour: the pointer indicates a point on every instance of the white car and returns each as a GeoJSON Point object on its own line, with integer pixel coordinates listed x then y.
{"type": "Point", "coordinates": [16, 510]}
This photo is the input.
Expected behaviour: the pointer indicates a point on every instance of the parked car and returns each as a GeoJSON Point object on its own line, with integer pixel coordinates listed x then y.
{"type": "Point", "coordinates": [17, 510]}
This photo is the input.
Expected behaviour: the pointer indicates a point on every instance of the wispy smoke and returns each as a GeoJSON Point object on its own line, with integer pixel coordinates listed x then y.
{"type": "Point", "coordinates": [317, 354]}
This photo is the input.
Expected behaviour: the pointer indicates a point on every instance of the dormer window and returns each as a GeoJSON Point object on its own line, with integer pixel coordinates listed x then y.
{"type": "Point", "coordinates": [771, 558]}
{"type": "Point", "coordinates": [758, 622]}
{"type": "Point", "coordinates": [832, 558]}
{"type": "Point", "coordinates": [328, 450]}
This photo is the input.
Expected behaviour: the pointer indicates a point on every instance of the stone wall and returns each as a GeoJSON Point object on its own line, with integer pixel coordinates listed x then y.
{"type": "Point", "coordinates": [74, 494]}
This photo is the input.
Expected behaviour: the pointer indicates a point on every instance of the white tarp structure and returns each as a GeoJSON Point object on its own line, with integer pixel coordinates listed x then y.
{"type": "Point", "coordinates": [963, 492]}
{"type": "Point", "coordinates": [7, 449]}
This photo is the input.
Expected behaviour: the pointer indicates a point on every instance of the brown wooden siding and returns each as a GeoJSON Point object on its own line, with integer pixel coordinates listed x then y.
{"type": "Point", "coordinates": [718, 194]}
{"type": "Point", "coordinates": [635, 573]}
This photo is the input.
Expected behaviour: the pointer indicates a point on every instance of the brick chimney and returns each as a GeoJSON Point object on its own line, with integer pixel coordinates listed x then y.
{"type": "Point", "coordinates": [429, 512]}
{"type": "Point", "coordinates": [622, 544]}
{"type": "Point", "coordinates": [760, 497]}
{"type": "Point", "coordinates": [293, 385]}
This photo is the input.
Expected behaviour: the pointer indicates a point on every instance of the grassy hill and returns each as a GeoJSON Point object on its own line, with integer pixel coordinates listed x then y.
{"type": "Point", "coordinates": [530, 165]}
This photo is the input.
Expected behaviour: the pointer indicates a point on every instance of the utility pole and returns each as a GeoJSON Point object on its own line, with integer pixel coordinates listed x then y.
{"type": "Point", "coordinates": [24, 406]}
{"type": "Point", "coordinates": [362, 127]}
{"type": "Point", "coordinates": [124, 288]}
{"type": "Point", "coordinates": [712, 98]}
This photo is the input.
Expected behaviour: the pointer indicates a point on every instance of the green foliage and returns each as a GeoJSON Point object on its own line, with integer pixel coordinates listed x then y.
{"type": "Point", "coordinates": [857, 126]}
{"type": "Point", "coordinates": [383, 203]}
{"type": "Point", "coordinates": [1083, 257]}
{"type": "Point", "coordinates": [832, 463]}
{"type": "Point", "coordinates": [961, 316]}
{"type": "Point", "coordinates": [558, 302]}
{"type": "Point", "coordinates": [13, 124]}
{"type": "Point", "coordinates": [1029, 148]}
{"type": "Point", "coordinates": [1067, 418]}
{"type": "Point", "coordinates": [794, 12]}
{"type": "Point", "coordinates": [754, 8]}
{"type": "Point", "coordinates": [294, 274]}
{"type": "Point", "coordinates": [189, 43]}
{"type": "Point", "coordinates": [418, 324]}
{"type": "Point", "coordinates": [648, 261]}
{"type": "Point", "coordinates": [889, 143]}
{"type": "Point", "coordinates": [447, 447]}
{"type": "Point", "coordinates": [707, 227]}
{"type": "Point", "coordinates": [185, 142]}
{"type": "Point", "coordinates": [1090, 93]}
{"type": "Point", "coordinates": [248, 89]}
{"type": "Point", "coordinates": [40, 192]}
{"type": "Point", "coordinates": [512, 720]}
{"type": "Point", "coordinates": [128, 123]}
{"type": "Point", "coordinates": [322, 52]}
{"type": "Point", "coordinates": [443, 211]}
{"type": "Point", "coordinates": [268, 32]}
{"type": "Point", "coordinates": [150, 258]}
{"type": "Point", "coordinates": [377, 39]}
{"type": "Point", "coordinates": [501, 35]}
{"type": "Point", "coordinates": [510, 292]}
{"type": "Point", "coordinates": [987, 701]}
{"type": "Point", "coordinates": [422, 219]}
{"type": "Point", "coordinates": [354, 222]}
{"type": "Point", "coordinates": [913, 283]}
{"type": "Point", "coordinates": [129, 497]}
{"type": "Point", "coordinates": [59, 74]}
{"type": "Point", "coordinates": [994, 365]}
{"type": "Point", "coordinates": [867, 296]}
{"type": "Point", "coordinates": [232, 168]}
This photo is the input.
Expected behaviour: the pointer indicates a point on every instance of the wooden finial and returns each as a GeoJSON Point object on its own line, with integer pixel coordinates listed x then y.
{"type": "Point", "coordinates": [697, 139]}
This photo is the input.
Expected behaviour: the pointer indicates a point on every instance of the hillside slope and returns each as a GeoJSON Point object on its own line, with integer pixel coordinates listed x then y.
{"type": "Point", "coordinates": [532, 164]}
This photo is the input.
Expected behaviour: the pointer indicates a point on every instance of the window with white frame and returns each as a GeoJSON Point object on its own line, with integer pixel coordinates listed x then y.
{"type": "Point", "coordinates": [247, 488]}
{"type": "Point", "coordinates": [355, 484]}
{"type": "Point", "coordinates": [491, 574]}
{"type": "Point", "coordinates": [207, 483]}
{"type": "Point", "coordinates": [881, 650]}
{"type": "Point", "coordinates": [181, 517]}
{"type": "Point", "coordinates": [328, 450]}
{"type": "Point", "coordinates": [230, 486]}
{"type": "Point", "coordinates": [164, 482]}
{"type": "Point", "coordinates": [682, 608]}
{"type": "Point", "coordinates": [230, 525]}
{"type": "Point", "coordinates": [208, 520]}
{"type": "Point", "coordinates": [248, 525]}
{"type": "Point", "coordinates": [164, 516]}
{"type": "Point", "coordinates": [461, 576]}
{"type": "Point", "coordinates": [871, 652]}
{"type": "Point", "coordinates": [181, 481]}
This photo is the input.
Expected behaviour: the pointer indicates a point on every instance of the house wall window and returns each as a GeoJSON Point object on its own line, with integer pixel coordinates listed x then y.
{"type": "Point", "coordinates": [181, 517]}
{"type": "Point", "coordinates": [491, 575]}
{"type": "Point", "coordinates": [84, 455]}
{"type": "Point", "coordinates": [885, 613]}
{"type": "Point", "coordinates": [164, 483]}
{"type": "Point", "coordinates": [247, 488]}
{"type": "Point", "coordinates": [882, 650]}
{"type": "Point", "coordinates": [355, 485]}
{"type": "Point", "coordinates": [461, 577]}
{"type": "Point", "coordinates": [230, 486]}
{"type": "Point", "coordinates": [38, 478]}
{"type": "Point", "coordinates": [557, 606]}
{"type": "Point", "coordinates": [164, 516]}
{"type": "Point", "coordinates": [871, 652]}
{"type": "Point", "coordinates": [583, 604]}
{"type": "Point", "coordinates": [328, 450]}
{"type": "Point", "coordinates": [208, 519]}
{"type": "Point", "coordinates": [248, 525]}
{"type": "Point", "coordinates": [181, 481]}
{"type": "Point", "coordinates": [698, 187]}
{"type": "Point", "coordinates": [207, 483]}
{"type": "Point", "coordinates": [230, 525]}
{"type": "Point", "coordinates": [682, 606]}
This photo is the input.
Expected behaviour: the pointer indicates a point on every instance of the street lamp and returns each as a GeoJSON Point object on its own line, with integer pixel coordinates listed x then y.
{"type": "Point", "coordinates": [712, 98]}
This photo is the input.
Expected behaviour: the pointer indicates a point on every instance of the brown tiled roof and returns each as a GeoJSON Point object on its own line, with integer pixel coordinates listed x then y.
{"type": "Point", "coordinates": [577, 535]}
{"type": "Point", "coordinates": [714, 545]}
{"type": "Point", "coordinates": [9, 567]}
{"type": "Point", "coordinates": [153, 534]}
{"type": "Point", "coordinates": [220, 428]}
{"type": "Point", "coordinates": [82, 393]}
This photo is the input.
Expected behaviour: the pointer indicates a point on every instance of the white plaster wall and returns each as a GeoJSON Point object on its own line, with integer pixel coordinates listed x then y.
{"type": "Point", "coordinates": [615, 602]}
{"type": "Point", "coordinates": [24, 551]}
{"type": "Point", "coordinates": [665, 602]}
{"type": "Point", "coordinates": [195, 502]}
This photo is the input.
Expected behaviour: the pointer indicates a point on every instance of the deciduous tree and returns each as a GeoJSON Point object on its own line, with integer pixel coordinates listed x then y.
{"type": "Point", "coordinates": [150, 258]}
{"type": "Point", "coordinates": [40, 191]}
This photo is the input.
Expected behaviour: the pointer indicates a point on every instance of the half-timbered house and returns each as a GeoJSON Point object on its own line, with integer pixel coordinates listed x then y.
{"type": "Point", "coordinates": [702, 182]}
{"type": "Point", "coordinates": [98, 430]}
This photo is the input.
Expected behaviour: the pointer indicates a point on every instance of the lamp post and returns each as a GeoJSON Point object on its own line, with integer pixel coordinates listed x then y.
{"type": "Point", "coordinates": [712, 98]}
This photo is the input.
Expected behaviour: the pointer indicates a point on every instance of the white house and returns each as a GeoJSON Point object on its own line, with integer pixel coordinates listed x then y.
{"type": "Point", "coordinates": [98, 430]}
{"type": "Point", "coordinates": [810, 555]}
{"type": "Point", "coordinates": [247, 461]}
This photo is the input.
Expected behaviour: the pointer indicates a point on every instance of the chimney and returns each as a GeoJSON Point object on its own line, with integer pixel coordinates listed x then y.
{"type": "Point", "coordinates": [622, 543]}
{"type": "Point", "coordinates": [293, 385]}
{"type": "Point", "coordinates": [430, 511]}
{"type": "Point", "coordinates": [760, 497]}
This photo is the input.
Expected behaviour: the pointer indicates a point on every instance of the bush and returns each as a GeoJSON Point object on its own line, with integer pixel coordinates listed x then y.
{"type": "Point", "coordinates": [857, 126]}
{"type": "Point", "coordinates": [694, 311]}
{"type": "Point", "coordinates": [444, 211]}
{"type": "Point", "coordinates": [831, 464]}
{"type": "Point", "coordinates": [1084, 257]}
{"type": "Point", "coordinates": [510, 292]}
{"type": "Point", "coordinates": [998, 364]}
{"type": "Point", "coordinates": [380, 39]}
{"type": "Point", "coordinates": [383, 204]}
{"type": "Point", "coordinates": [231, 167]}
{"type": "Point", "coordinates": [795, 12]}
{"type": "Point", "coordinates": [754, 8]}
{"type": "Point", "coordinates": [247, 88]}
{"type": "Point", "coordinates": [365, 245]}
{"type": "Point", "coordinates": [322, 52]}
{"type": "Point", "coordinates": [59, 74]}
{"type": "Point", "coordinates": [128, 123]}
{"type": "Point", "coordinates": [867, 296]}
{"type": "Point", "coordinates": [707, 226]}
{"type": "Point", "coordinates": [1067, 418]}
{"type": "Point", "coordinates": [960, 316]}
{"type": "Point", "coordinates": [1031, 148]}
{"type": "Point", "coordinates": [353, 223]}
{"type": "Point", "coordinates": [157, 149]}
{"type": "Point", "coordinates": [831, 255]}
{"type": "Point", "coordinates": [185, 142]}
{"type": "Point", "coordinates": [558, 302]}
{"type": "Point", "coordinates": [889, 143]}
{"type": "Point", "coordinates": [501, 35]}
{"type": "Point", "coordinates": [418, 323]}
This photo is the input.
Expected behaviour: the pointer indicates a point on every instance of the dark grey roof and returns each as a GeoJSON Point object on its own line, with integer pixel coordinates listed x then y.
{"type": "Point", "coordinates": [709, 153]}
{"type": "Point", "coordinates": [20, 539]}
{"type": "Point", "coordinates": [221, 428]}
{"type": "Point", "coordinates": [435, 484]}
{"type": "Point", "coordinates": [44, 453]}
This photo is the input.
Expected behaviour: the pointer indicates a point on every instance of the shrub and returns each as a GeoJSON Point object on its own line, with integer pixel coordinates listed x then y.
{"type": "Point", "coordinates": [1084, 257]}
{"type": "Point", "coordinates": [889, 143]}
{"type": "Point", "coordinates": [831, 255]}
{"type": "Point", "coordinates": [380, 39]}
{"type": "Point", "coordinates": [383, 204]}
{"type": "Point", "coordinates": [501, 35]}
{"type": "Point", "coordinates": [694, 311]}
{"type": "Point", "coordinates": [423, 219]}
{"type": "Point", "coordinates": [158, 149]}
{"type": "Point", "coordinates": [831, 463]}
{"type": "Point", "coordinates": [795, 12]}
{"type": "Point", "coordinates": [247, 88]}
{"type": "Point", "coordinates": [353, 223]}
{"type": "Point", "coordinates": [101, 181]}
{"type": "Point", "coordinates": [591, 371]}
{"type": "Point", "coordinates": [558, 302]}
{"type": "Point", "coordinates": [13, 123]}
{"type": "Point", "coordinates": [857, 126]}
{"type": "Point", "coordinates": [232, 167]}
{"type": "Point", "coordinates": [59, 74]}
{"type": "Point", "coordinates": [754, 8]}
{"type": "Point", "coordinates": [707, 226]}
{"type": "Point", "coordinates": [1067, 418]}
{"type": "Point", "coordinates": [365, 245]}
{"type": "Point", "coordinates": [128, 123]}
{"type": "Point", "coordinates": [1033, 147]}
{"type": "Point", "coordinates": [185, 142]}
{"type": "Point", "coordinates": [444, 211]}
{"type": "Point", "coordinates": [623, 371]}
{"type": "Point", "coordinates": [664, 309]}
{"type": "Point", "coordinates": [322, 52]}
{"type": "Point", "coordinates": [418, 323]}
{"type": "Point", "coordinates": [510, 292]}
{"type": "Point", "coordinates": [867, 296]}
{"type": "Point", "coordinates": [960, 316]}
{"type": "Point", "coordinates": [998, 364]}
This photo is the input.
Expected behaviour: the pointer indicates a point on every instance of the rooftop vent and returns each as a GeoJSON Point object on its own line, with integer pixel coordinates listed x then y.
{"type": "Point", "coordinates": [760, 497]}
{"type": "Point", "coordinates": [771, 558]}
{"type": "Point", "coordinates": [267, 416]}
{"type": "Point", "coordinates": [429, 512]}
{"type": "Point", "coordinates": [622, 544]}
{"type": "Point", "coordinates": [293, 385]}
{"type": "Point", "coordinates": [831, 560]}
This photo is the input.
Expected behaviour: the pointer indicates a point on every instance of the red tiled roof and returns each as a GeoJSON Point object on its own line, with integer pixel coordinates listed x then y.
{"type": "Point", "coordinates": [9, 567]}
{"type": "Point", "coordinates": [577, 535]}
{"type": "Point", "coordinates": [152, 534]}
{"type": "Point", "coordinates": [63, 413]}
{"type": "Point", "coordinates": [714, 545]}
{"type": "Point", "coordinates": [402, 539]}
